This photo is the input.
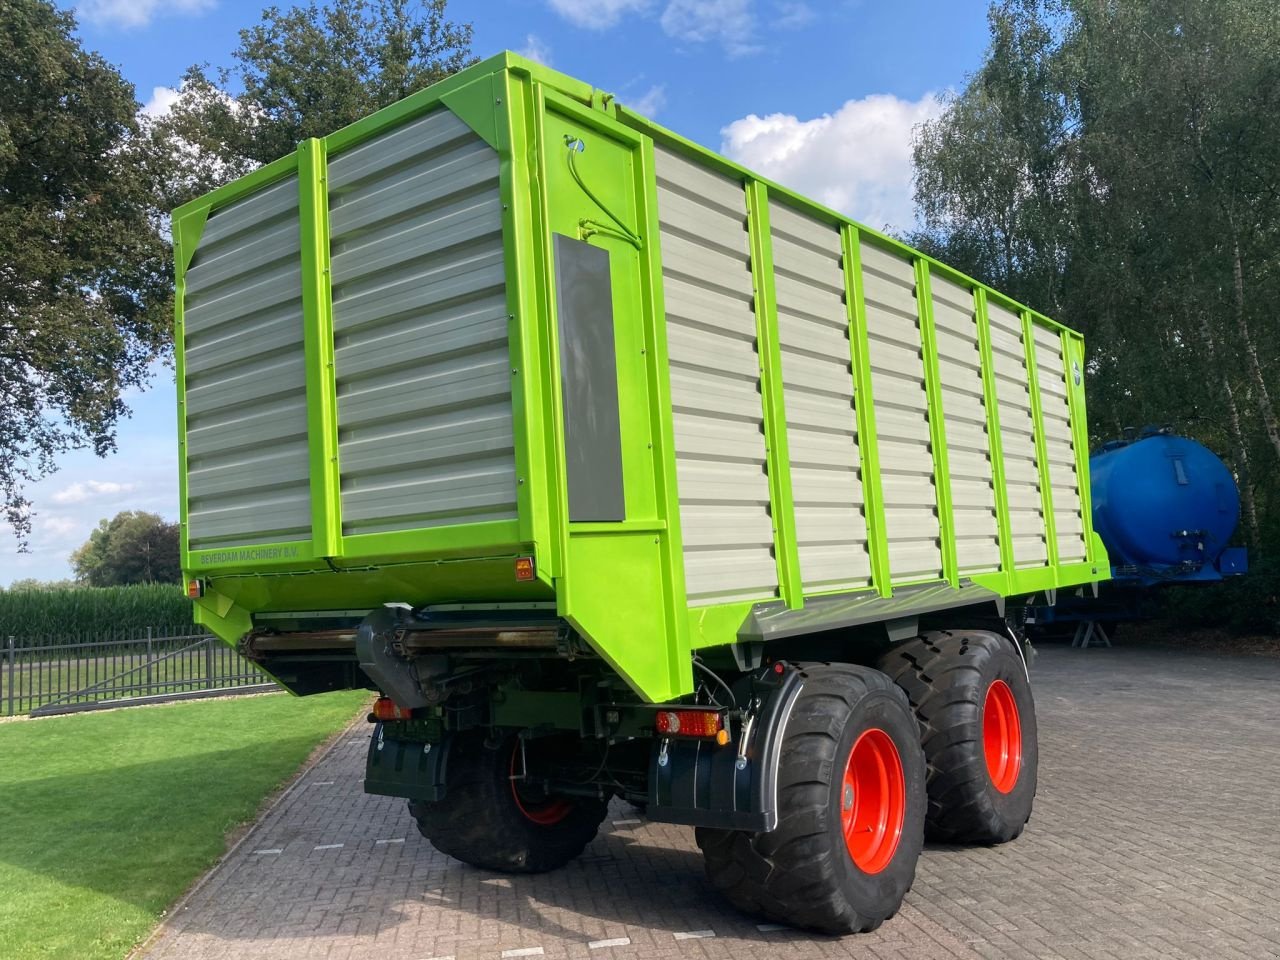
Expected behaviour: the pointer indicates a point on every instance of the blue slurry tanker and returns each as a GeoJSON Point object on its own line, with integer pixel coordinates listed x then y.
{"type": "Point", "coordinates": [1166, 508]}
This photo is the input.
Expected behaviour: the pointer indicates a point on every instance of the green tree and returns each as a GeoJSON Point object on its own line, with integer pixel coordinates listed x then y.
{"type": "Point", "coordinates": [305, 72]}
{"type": "Point", "coordinates": [131, 547]}
{"type": "Point", "coordinates": [1116, 165]}
{"type": "Point", "coordinates": [42, 586]}
{"type": "Point", "coordinates": [994, 175]}
{"type": "Point", "coordinates": [84, 278]}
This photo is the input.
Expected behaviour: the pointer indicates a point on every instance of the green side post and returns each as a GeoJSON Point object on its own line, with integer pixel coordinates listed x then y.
{"type": "Point", "coordinates": [1073, 364]}
{"type": "Point", "coordinates": [182, 251]}
{"type": "Point", "coordinates": [519, 232]}
{"type": "Point", "coordinates": [864, 411]}
{"type": "Point", "coordinates": [995, 441]}
{"type": "Point", "coordinates": [782, 506]}
{"type": "Point", "coordinates": [662, 425]}
{"type": "Point", "coordinates": [187, 227]}
{"type": "Point", "coordinates": [937, 424]}
{"type": "Point", "coordinates": [317, 305]}
{"type": "Point", "coordinates": [555, 491]}
{"type": "Point", "coordinates": [1042, 453]}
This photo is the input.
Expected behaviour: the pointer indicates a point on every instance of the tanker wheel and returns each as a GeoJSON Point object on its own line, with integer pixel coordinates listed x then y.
{"type": "Point", "coordinates": [491, 819]}
{"type": "Point", "coordinates": [978, 726]}
{"type": "Point", "coordinates": [851, 804]}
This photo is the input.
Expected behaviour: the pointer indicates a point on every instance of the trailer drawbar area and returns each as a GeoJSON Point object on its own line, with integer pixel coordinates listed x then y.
{"type": "Point", "coordinates": [618, 470]}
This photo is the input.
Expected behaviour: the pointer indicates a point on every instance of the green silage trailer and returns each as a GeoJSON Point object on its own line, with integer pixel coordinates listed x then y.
{"type": "Point", "coordinates": [619, 471]}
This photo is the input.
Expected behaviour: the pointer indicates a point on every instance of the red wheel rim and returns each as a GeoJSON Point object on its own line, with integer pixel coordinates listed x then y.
{"type": "Point", "coordinates": [546, 812]}
{"type": "Point", "coordinates": [873, 801]}
{"type": "Point", "coordinates": [1002, 736]}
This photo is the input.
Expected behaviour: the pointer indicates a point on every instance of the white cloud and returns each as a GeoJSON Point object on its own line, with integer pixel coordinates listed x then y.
{"type": "Point", "coordinates": [597, 14]}
{"type": "Point", "coordinates": [731, 22]}
{"type": "Point", "coordinates": [87, 490]}
{"type": "Point", "coordinates": [793, 16]}
{"type": "Point", "coordinates": [856, 160]}
{"type": "Point", "coordinates": [536, 49]}
{"type": "Point", "coordinates": [137, 13]}
{"type": "Point", "coordinates": [162, 99]}
{"type": "Point", "coordinates": [650, 102]}
{"type": "Point", "coordinates": [57, 527]}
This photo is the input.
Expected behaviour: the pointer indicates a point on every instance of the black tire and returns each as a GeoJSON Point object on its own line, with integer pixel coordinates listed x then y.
{"type": "Point", "coordinates": [485, 822]}
{"type": "Point", "coordinates": [802, 873]}
{"type": "Point", "coordinates": [947, 675]}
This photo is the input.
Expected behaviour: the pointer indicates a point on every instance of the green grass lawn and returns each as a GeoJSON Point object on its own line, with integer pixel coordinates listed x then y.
{"type": "Point", "coordinates": [106, 818]}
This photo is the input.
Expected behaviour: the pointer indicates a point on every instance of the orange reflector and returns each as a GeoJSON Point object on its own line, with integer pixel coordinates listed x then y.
{"type": "Point", "coordinates": [524, 569]}
{"type": "Point", "coordinates": [195, 589]}
{"type": "Point", "coordinates": [384, 708]}
{"type": "Point", "coordinates": [689, 723]}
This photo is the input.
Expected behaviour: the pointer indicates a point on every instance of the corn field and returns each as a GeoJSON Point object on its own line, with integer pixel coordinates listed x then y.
{"type": "Point", "coordinates": [97, 613]}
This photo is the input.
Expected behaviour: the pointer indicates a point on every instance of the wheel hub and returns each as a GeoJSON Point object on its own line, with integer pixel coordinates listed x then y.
{"type": "Point", "coordinates": [534, 804]}
{"type": "Point", "coordinates": [873, 801]}
{"type": "Point", "coordinates": [1002, 736]}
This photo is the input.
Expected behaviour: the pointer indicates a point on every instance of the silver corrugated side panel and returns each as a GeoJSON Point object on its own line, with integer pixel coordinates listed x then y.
{"type": "Point", "coordinates": [902, 419]}
{"type": "Point", "coordinates": [1017, 438]}
{"type": "Point", "coordinates": [964, 415]}
{"type": "Point", "coordinates": [246, 407]}
{"type": "Point", "coordinates": [420, 330]}
{"type": "Point", "coordinates": [715, 384]}
{"type": "Point", "coordinates": [1060, 451]}
{"type": "Point", "coordinates": [817, 377]}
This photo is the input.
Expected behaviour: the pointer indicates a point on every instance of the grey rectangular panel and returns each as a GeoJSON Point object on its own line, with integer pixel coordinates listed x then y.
{"type": "Point", "coordinates": [817, 376]}
{"type": "Point", "coordinates": [902, 416]}
{"type": "Point", "coordinates": [1051, 377]}
{"type": "Point", "coordinates": [247, 460]}
{"type": "Point", "coordinates": [1017, 438]}
{"type": "Point", "coordinates": [964, 415]}
{"type": "Point", "coordinates": [421, 352]}
{"type": "Point", "coordinates": [589, 381]}
{"type": "Point", "coordinates": [715, 384]}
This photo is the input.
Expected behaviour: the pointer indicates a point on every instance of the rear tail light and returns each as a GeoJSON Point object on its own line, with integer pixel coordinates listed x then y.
{"type": "Point", "coordinates": [689, 723]}
{"type": "Point", "coordinates": [384, 708]}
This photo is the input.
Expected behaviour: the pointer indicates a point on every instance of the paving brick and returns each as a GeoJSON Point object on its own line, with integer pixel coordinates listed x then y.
{"type": "Point", "coordinates": [1156, 834]}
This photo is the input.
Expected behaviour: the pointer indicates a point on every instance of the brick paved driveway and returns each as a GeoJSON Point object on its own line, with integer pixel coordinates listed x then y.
{"type": "Point", "coordinates": [1156, 834]}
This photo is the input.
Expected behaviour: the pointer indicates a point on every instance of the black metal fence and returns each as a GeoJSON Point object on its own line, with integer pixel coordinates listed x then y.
{"type": "Point", "coordinates": [47, 678]}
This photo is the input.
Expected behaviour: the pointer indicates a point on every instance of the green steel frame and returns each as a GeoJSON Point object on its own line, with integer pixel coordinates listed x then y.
{"type": "Point", "coordinates": [1042, 453]}
{"type": "Point", "coordinates": [781, 502]}
{"type": "Point", "coordinates": [937, 424]}
{"type": "Point", "coordinates": [864, 410]}
{"type": "Point", "coordinates": [995, 441]}
{"type": "Point", "coordinates": [601, 575]}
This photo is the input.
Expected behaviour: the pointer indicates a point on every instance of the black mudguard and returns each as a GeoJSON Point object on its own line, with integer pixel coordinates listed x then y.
{"type": "Point", "coordinates": [406, 768]}
{"type": "Point", "coordinates": [734, 787]}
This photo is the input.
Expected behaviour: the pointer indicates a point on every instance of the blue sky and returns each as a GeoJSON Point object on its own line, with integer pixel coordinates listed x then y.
{"type": "Point", "coordinates": [820, 95]}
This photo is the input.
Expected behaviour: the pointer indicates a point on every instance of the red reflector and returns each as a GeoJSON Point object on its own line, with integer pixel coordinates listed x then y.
{"type": "Point", "coordinates": [384, 708]}
{"type": "Point", "coordinates": [524, 569]}
{"type": "Point", "coordinates": [689, 723]}
{"type": "Point", "coordinates": [778, 668]}
{"type": "Point", "coordinates": [195, 589]}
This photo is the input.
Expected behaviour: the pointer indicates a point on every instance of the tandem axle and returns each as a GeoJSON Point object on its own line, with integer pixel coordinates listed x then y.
{"type": "Point", "coordinates": [508, 750]}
